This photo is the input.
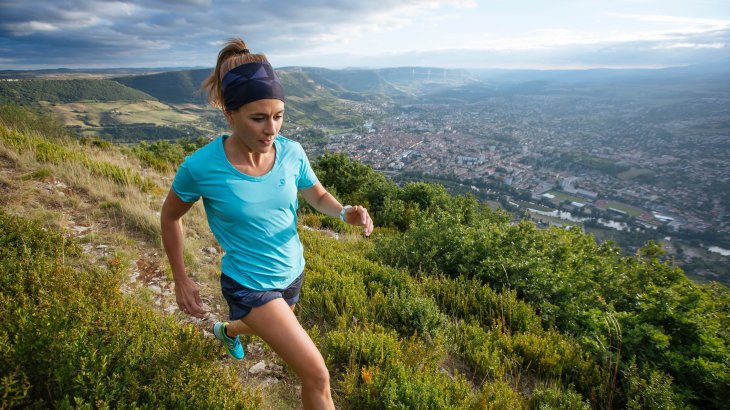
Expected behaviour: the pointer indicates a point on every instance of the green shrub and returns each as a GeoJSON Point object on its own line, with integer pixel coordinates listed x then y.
{"type": "Point", "coordinates": [328, 295]}
{"type": "Point", "coordinates": [471, 300]}
{"type": "Point", "coordinates": [554, 397]}
{"type": "Point", "coordinates": [409, 313]}
{"type": "Point", "coordinates": [650, 389]}
{"type": "Point", "coordinates": [69, 338]}
{"type": "Point", "coordinates": [481, 350]}
{"type": "Point", "coordinates": [498, 395]}
{"type": "Point", "coordinates": [398, 386]}
{"type": "Point", "coordinates": [367, 346]}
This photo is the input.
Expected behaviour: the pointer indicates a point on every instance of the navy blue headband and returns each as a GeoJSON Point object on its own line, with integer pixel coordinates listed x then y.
{"type": "Point", "coordinates": [250, 82]}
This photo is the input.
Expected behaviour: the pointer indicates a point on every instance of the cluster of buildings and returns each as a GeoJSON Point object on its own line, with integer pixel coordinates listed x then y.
{"type": "Point", "coordinates": [524, 142]}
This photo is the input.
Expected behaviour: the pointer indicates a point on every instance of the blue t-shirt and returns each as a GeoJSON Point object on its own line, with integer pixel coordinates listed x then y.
{"type": "Point", "coordinates": [254, 219]}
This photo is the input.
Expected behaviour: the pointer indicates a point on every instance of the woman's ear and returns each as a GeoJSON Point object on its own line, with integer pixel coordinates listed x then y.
{"type": "Point", "coordinates": [229, 117]}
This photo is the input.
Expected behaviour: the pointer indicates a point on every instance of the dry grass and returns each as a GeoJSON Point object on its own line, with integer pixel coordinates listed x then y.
{"type": "Point", "coordinates": [68, 195]}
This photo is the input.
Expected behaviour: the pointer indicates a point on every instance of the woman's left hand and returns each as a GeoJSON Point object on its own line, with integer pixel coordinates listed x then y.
{"type": "Point", "coordinates": [358, 216]}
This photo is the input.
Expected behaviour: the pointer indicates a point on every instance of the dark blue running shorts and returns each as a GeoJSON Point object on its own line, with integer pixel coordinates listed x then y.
{"type": "Point", "coordinates": [241, 300]}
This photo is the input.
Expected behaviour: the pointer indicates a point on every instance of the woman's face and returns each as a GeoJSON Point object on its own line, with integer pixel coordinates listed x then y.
{"type": "Point", "coordinates": [256, 124]}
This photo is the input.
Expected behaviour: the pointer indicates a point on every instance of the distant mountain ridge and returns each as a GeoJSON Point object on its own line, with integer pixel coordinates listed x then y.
{"type": "Point", "coordinates": [350, 84]}
{"type": "Point", "coordinates": [397, 84]}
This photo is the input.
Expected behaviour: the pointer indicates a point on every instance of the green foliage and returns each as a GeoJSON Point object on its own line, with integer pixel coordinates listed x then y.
{"type": "Point", "coordinates": [409, 313]}
{"type": "Point", "coordinates": [69, 338]}
{"type": "Point", "coordinates": [354, 182]}
{"type": "Point", "coordinates": [23, 118]}
{"type": "Point", "coordinates": [650, 389]}
{"type": "Point", "coordinates": [557, 398]}
{"type": "Point", "coordinates": [172, 86]}
{"type": "Point", "coordinates": [470, 300]}
{"type": "Point", "coordinates": [495, 354]}
{"type": "Point", "coordinates": [398, 386]}
{"type": "Point", "coordinates": [166, 156]}
{"type": "Point", "coordinates": [29, 91]}
{"type": "Point", "coordinates": [95, 142]}
{"type": "Point", "coordinates": [661, 317]}
{"type": "Point", "coordinates": [381, 370]}
{"type": "Point", "coordinates": [145, 132]}
{"type": "Point", "coordinates": [498, 395]}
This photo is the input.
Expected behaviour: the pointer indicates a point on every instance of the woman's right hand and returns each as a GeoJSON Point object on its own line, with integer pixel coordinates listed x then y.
{"type": "Point", "coordinates": [187, 296]}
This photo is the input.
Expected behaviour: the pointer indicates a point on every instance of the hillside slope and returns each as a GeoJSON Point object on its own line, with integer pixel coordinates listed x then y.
{"type": "Point", "coordinates": [449, 305]}
{"type": "Point", "coordinates": [174, 87]}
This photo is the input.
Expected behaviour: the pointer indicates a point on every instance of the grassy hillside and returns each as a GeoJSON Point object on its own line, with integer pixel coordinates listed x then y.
{"type": "Point", "coordinates": [27, 91]}
{"type": "Point", "coordinates": [448, 305]}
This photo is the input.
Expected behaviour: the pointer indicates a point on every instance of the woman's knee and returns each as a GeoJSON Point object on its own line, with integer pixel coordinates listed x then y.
{"type": "Point", "coordinates": [316, 377]}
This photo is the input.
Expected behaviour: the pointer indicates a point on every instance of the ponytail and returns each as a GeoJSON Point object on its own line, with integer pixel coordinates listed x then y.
{"type": "Point", "coordinates": [234, 53]}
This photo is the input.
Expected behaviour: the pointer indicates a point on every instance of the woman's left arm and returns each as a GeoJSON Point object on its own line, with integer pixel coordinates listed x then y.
{"type": "Point", "coordinates": [324, 202]}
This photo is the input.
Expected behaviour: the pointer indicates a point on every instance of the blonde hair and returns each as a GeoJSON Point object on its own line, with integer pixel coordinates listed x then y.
{"type": "Point", "coordinates": [234, 54]}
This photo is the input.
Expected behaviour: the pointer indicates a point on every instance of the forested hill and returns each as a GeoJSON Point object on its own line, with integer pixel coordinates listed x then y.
{"type": "Point", "coordinates": [447, 305]}
{"type": "Point", "coordinates": [172, 86]}
{"type": "Point", "coordinates": [23, 91]}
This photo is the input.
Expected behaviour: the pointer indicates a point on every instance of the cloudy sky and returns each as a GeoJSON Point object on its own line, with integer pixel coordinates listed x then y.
{"type": "Point", "coordinates": [362, 33]}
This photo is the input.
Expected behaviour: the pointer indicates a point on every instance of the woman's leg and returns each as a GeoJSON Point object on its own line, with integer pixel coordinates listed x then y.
{"type": "Point", "coordinates": [237, 327]}
{"type": "Point", "coordinates": [276, 324]}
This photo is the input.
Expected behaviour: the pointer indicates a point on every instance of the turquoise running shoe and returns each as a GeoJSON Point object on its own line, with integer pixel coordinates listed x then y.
{"type": "Point", "coordinates": [233, 346]}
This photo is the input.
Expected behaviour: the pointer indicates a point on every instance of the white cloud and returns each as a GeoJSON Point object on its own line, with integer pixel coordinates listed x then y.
{"type": "Point", "coordinates": [691, 45]}
{"type": "Point", "coordinates": [30, 27]}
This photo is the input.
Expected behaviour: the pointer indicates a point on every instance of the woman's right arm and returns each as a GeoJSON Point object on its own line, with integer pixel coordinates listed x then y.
{"type": "Point", "coordinates": [186, 290]}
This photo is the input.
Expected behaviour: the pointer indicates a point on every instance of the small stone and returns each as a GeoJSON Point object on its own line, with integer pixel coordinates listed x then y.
{"type": "Point", "coordinates": [170, 309]}
{"type": "Point", "coordinates": [275, 368]}
{"type": "Point", "coordinates": [269, 381]}
{"type": "Point", "coordinates": [155, 289]}
{"type": "Point", "coordinates": [210, 250]}
{"type": "Point", "coordinates": [80, 229]}
{"type": "Point", "coordinates": [258, 368]}
{"type": "Point", "coordinates": [255, 348]}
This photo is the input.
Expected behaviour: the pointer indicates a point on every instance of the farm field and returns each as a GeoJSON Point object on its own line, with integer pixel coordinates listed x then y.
{"type": "Point", "coordinates": [99, 114]}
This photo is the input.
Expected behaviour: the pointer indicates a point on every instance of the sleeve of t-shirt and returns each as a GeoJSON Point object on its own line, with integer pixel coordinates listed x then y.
{"type": "Point", "coordinates": [307, 178]}
{"type": "Point", "coordinates": [184, 185]}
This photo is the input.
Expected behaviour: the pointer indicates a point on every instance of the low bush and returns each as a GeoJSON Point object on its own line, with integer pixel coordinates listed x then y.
{"type": "Point", "coordinates": [69, 338]}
